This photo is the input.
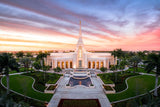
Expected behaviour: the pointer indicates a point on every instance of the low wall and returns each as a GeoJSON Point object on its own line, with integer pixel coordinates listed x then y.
{"type": "Point", "coordinates": [109, 91]}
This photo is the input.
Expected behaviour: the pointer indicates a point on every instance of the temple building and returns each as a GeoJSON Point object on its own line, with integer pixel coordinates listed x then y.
{"type": "Point", "coordinates": [80, 58]}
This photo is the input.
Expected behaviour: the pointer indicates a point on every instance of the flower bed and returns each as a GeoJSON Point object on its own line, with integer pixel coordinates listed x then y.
{"type": "Point", "coordinates": [51, 89]}
{"type": "Point", "coordinates": [108, 89]}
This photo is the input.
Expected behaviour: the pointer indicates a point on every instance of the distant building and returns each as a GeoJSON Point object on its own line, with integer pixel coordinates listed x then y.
{"type": "Point", "coordinates": [80, 58]}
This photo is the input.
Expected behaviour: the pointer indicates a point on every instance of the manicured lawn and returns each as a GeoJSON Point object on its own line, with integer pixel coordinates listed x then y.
{"type": "Point", "coordinates": [79, 103]}
{"type": "Point", "coordinates": [120, 82]}
{"type": "Point", "coordinates": [106, 78]}
{"type": "Point", "coordinates": [23, 84]}
{"type": "Point", "coordinates": [140, 70]}
{"type": "Point", "coordinates": [136, 85]}
{"type": "Point", "coordinates": [13, 72]}
{"type": "Point", "coordinates": [19, 99]}
{"type": "Point", "coordinates": [50, 78]}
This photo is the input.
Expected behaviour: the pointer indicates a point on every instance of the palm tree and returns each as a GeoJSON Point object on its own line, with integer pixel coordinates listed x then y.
{"type": "Point", "coordinates": [20, 54]}
{"type": "Point", "coordinates": [114, 68]}
{"type": "Point", "coordinates": [118, 53]}
{"type": "Point", "coordinates": [37, 65]}
{"type": "Point", "coordinates": [142, 55]}
{"type": "Point", "coordinates": [135, 60]}
{"type": "Point", "coordinates": [26, 62]}
{"type": "Point", "coordinates": [29, 54]}
{"type": "Point", "coordinates": [7, 63]}
{"type": "Point", "coordinates": [122, 64]}
{"type": "Point", "coordinates": [41, 57]}
{"type": "Point", "coordinates": [153, 62]}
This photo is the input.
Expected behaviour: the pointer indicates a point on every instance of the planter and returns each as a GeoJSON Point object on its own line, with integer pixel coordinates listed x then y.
{"type": "Point", "coordinates": [108, 89]}
{"type": "Point", "coordinates": [51, 89]}
{"type": "Point", "coordinates": [112, 85]}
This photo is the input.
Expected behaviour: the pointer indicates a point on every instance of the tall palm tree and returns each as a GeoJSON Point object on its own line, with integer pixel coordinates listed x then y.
{"type": "Point", "coordinates": [7, 63]}
{"type": "Point", "coordinates": [153, 62]}
{"type": "Point", "coordinates": [119, 54]}
{"type": "Point", "coordinates": [135, 60]}
{"type": "Point", "coordinates": [29, 54]}
{"type": "Point", "coordinates": [123, 64]}
{"type": "Point", "coordinates": [20, 54]}
{"type": "Point", "coordinates": [41, 57]}
{"type": "Point", "coordinates": [114, 68]}
{"type": "Point", "coordinates": [141, 54]}
{"type": "Point", "coordinates": [26, 62]}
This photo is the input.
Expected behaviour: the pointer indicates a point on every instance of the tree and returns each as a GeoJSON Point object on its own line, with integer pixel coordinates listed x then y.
{"type": "Point", "coordinates": [153, 62]}
{"type": "Point", "coordinates": [142, 55]}
{"type": "Point", "coordinates": [46, 68]}
{"type": "Point", "coordinates": [114, 68]}
{"type": "Point", "coordinates": [58, 69]}
{"type": "Point", "coordinates": [118, 53]}
{"type": "Point", "coordinates": [103, 69]}
{"type": "Point", "coordinates": [20, 54]}
{"type": "Point", "coordinates": [130, 54]}
{"type": "Point", "coordinates": [37, 65]}
{"type": "Point", "coordinates": [7, 63]}
{"type": "Point", "coordinates": [29, 54]}
{"type": "Point", "coordinates": [135, 60]}
{"type": "Point", "coordinates": [41, 57]}
{"type": "Point", "coordinates": [26, 62]}
{"type": "Point", "coordinates": [122, 64]}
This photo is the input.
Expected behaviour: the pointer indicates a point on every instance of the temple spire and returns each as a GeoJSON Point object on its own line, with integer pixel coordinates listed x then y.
{"type": "Point", "coordinates": [80, 33]}
{"type": "Point", "coordinates": [80, 41]}
{"type": "Point", "coordinates": [80, 44]}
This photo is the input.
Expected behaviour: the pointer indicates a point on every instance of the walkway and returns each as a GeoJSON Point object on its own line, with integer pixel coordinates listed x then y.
{"type": "Point", "coordinates": [79, 93]}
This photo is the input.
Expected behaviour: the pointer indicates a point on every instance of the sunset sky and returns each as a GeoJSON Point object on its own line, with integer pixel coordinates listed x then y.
{"type": "Point", "coordinates": [54, 24]}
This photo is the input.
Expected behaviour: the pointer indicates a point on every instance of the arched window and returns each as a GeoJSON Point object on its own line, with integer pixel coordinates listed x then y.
{"type": "Point", "coordinates": [89, 64]}
{"type": "Point", "coordinates": [71, 65]}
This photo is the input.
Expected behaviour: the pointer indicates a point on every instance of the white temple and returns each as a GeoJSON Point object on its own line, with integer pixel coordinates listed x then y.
{"type": "Point", "coordinates": [80, 58]}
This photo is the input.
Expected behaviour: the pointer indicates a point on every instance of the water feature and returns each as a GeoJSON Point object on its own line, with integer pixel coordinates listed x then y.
{"type": "Point", "coordinates": [80, 80]}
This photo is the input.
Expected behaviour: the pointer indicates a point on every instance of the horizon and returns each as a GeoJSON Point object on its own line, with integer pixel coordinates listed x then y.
{"type": "Point", "coordinates": [54, 25]}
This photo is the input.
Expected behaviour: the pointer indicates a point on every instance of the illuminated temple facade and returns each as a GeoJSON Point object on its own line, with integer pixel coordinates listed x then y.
{"type": "Point", "coordinates": [80, 58]}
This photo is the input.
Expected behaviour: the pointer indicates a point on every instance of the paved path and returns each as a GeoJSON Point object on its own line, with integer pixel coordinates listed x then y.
{"type": "Point", "coordinates": [79, 92]}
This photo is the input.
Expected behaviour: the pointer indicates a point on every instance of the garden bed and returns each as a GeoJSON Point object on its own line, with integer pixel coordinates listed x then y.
{"type": "Point", "coordinates": [107, 88]}
{"type": "Point", "coordinates": [50, 78]}
{"type": "Point", "coordinates": [51, 89]}
{"type": "Point", "coordinates": [79, 103]}
{"type": "Point", "coordinates": [110, 78]}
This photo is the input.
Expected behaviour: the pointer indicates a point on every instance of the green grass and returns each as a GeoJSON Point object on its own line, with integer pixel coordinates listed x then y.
{"type": "Point", "coordinates": [136, 85]}
{"type": "Point", "coordinates": [106, 78]}
{"type": "Point", "coordinates": [23, 85]}
{"type": "Point", "coordinates": [120, 82]}
{"type": "Point", "coordinates": [50, 78]}
{"type": "Point", "coordinates": [18, 99]}
{"type": "Point", "coordinates": [11, 72]}
{"type": "Point", "coordinates": [140, 70]}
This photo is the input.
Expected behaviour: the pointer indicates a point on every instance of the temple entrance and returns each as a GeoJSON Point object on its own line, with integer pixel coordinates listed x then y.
{"type": "Point", "coordinates": [80, 63]}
